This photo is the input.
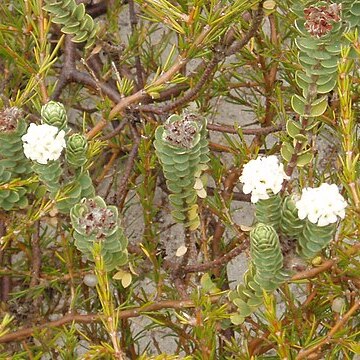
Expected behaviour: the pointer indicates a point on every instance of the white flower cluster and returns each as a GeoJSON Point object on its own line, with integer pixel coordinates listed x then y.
{"type": "Point", "coordinates": [261, 175]}
{"type": "Point", "coordinates": [321, 205]}
{"type": "Point", "coordinates": [43, 143]}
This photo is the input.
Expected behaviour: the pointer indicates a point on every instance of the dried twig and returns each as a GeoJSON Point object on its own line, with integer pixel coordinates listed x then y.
{"type": "Point", "coordinates": [36, 256]}
{"type": "Point", "coordinates": [304, 354]}
{"type": "Point", "coordinates": [90, 318]}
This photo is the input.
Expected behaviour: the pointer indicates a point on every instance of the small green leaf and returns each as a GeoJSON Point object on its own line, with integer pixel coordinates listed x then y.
{"type": "Point", "coordinates": [207, 284]}
{"type": "Point", "coordinates": [124, 277]}
{"type": "Point", "coordinates": [319, 106]}
{"type": "Point", "coordinates": [269, 4]}
{"type": "Point", "coordinates": [194, 224]}
{"type": "Point", "coordinates": [298, 104]}
{"type": "Point", "coordinates": [237, 319]}
{"type": "Point", "coordinates": [306, 44]}
{"type": "Point", "coordinates": [323, 79]}
{"type": "Point", "coordinates": [126, 280]}
{"type": "Point", "coordinates": [307, 60]}
{"type": "Point", "coordinates": [243, 307]}
{"type": "Point", "coordinates": [304, 159]}
{"type": "Point", "coordinates": [286, 151]}
{"type": "Point", "coordinates": [320, 55]}
{"type": "Point", "coordinates": [154, 94]}
{"type": "Point", "coordinates": [301, 138]}
{"type": "Point", "coordinates": [333, 62]}
{"type": "Point", "coordinates": [334, 49]}
{"type": "Point", "coordinates": [327, 87]}
{"type": "Point", "coordinates": [311, 124]}
{"type": "Point", "coordinates": [355, 9]}
{"type": "Point", "coordinates": [292, 128]}
{"type": "Point", "coordinates": [325, 71]}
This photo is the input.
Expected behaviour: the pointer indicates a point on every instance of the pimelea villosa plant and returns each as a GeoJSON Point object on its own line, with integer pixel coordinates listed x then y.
{"type": "Point", "coordinates": [270, 78]}
{"type": "Point", "coordinates": [311, 220]}
{"type": "Point", "coordinates": [182, 148]}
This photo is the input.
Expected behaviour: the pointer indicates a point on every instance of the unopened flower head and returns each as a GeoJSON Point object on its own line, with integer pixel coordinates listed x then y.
{"type": "Point", "coordinates": [43, 143]}
{"type": "Point", "coordinates": [322, 205]}
{"type": "Point", "coordinates": [320, 19]}
{"type": "Point", "coordinates": [261, 176]}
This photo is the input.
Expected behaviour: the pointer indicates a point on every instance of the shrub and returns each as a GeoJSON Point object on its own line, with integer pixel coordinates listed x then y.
{"type": "Point", "coordinates": [148, 148]}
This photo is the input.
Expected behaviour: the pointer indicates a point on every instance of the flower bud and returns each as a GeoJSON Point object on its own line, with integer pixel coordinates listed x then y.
{"type": "Point", "coordinates": [54, 113]}
{"type": "Point", "coordinates": [76, 149]}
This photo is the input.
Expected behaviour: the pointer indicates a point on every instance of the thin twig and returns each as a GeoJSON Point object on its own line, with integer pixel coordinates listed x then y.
{"type": "Point", "coordinates": [229, 184]}
{"type": "Point", "coordinates": [90, 318]}
{"type": "Point", "coordinates": [233, 130]}
{"type": "Point", "coordinates": [223, 260]}
{"type": "Point", "coordinates": [310, 273]}
{"type": "Point", "coordinates": [179, 63]}
{"type": "Point", "coordinates": [138, 66]}
{"type": "Point", "coordinates": [122, 190]}
{"type": "Point", "coordinates": [5, 280]}
{"type": "Point", "coordinates": [36, 256]}
{"type": "Point", "coordinates": [238, 45]}
{"type": "Point", "coordinates": [192, 93]}
{"type": "Point", "coordinates": [117, 130]}
{"type": "Point", "coordinates": [304, 354]}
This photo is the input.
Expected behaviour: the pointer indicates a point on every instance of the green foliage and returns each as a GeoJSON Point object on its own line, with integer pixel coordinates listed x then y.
{"type": "Point", "coordinates": [290, 223]}
{"type": "Point", "coordinates": [314, 238]}
{"type": "Point", "coordinates": [269, 211]}
{"type": "Point", "coordinates": [13, 163]}
{"type": "Point", "coordinates": [54, 113]}
{"type": "Point", "coordinates": [73, 19]}
{"type": "Point", "coordinates": [96, 223]}
{"type": "Point", "coordinates": [49, 174]}
{"type": "Point", "coordinates": [11, 148]}
{"type": "Point", "coordinates": [12, 198]}
{"type": "Point", "coordinates": [80, 187]}
{"type": "Point", "coordinates": [182, 149]}
{"type": "Point", "coordinates": [76, 150]}
{"type": "Point", "coordinates": [321, 26]}
{"type": "Point", "coordinates": [265, 80]}
{"type": "Point", "coordinates": [265, 272]}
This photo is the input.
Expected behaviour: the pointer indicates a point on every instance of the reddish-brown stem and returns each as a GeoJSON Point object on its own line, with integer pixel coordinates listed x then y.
{"type": "Point", "coordinates": [122, 190]}
{"type": "Point", "coordinates": [223, 260]}
{"type": "Point", "coordinates": [35, 256]}
{"type": "Point", "coordinates": [90, 318]}
{"type": "Point", "coordinates": [229, 184]}
{"type": "Point", "coordinates": [108, 166]}
{"type": "Point", "coordinates": [233, 130]}
{"type": "Point", "coordinates": [305, 353]}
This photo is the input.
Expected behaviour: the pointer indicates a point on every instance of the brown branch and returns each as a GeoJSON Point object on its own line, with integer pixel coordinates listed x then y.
{"type": "Point", "coordinates": [180, 62]}
{"type": "Point", "coordinates": [89, 318]}
{"type": "Point", "coordinates": [138, 66]}
{"type": "Point", "coordinates": [233, 130]}
{"type": "Point", "coordinates": [191, 94]}
{"type": "Point", "coordinates": [223, 260]}
{"type": "Point", "coordinates": [95, 10]}
{"type": "Point", "coordinates": [311, 273]}
{"type": "Point", "coordinates": [117, 130]}
{"type": "Point", "coordinates": [238, 45]}
{"type": "Point", "coordinates": [229, 184]}
{"type": "Point", "coordinates": [69, 73]}
{"type": "Point", "coordinates": [219, 56]}
{"type": "Point", "coordinates": [122, 191]}
{"type": "Point", "coordinates": [67, 68]}
{"type": "Point", "coordinates": [304, 354]}
{"type": "Point", "coordinates": [36, 256]}
{"type": "Point", "coordinates": [5, 280]}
